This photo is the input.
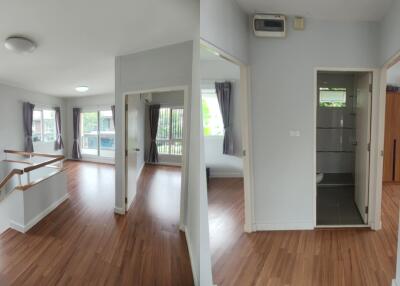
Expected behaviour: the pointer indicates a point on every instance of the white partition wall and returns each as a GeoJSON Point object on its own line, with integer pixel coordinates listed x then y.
{"type": "Point", "coordinates": [26, 208]}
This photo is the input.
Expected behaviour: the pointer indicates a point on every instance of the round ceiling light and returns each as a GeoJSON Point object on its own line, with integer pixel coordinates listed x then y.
{"type": "Point", "coordinates": [20, 45]}
{"type": "Point", "coordinates": [82, 88]}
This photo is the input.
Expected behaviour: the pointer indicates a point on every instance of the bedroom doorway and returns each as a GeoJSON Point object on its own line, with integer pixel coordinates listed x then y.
{"type": "Point", "coordinates": [226, 138]}
{"type": "Point", "coordinates": [155, 138]}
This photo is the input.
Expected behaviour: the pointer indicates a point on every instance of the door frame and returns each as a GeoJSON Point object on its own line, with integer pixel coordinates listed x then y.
{"type": "Point", "coordinates": [373, 192]}
{"type": "Point", "coordinates": [185, 142]}
{"type": "Point", "coordinates": [380, 138]}
{"type": "Point", "coordinates": [247, 144]}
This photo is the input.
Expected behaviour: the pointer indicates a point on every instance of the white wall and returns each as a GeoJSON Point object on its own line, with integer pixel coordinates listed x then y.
{"type": "Point", "coordinates": [389, 33]}
{"type": "Point", "coordinates": [165, 99]}
{"type": "Point", "coordinates": [84, 102]}
{"type": "Point", "coordinates": [283, 97]}
{"type": "Point", "coordinates": [393, 75]}
{"type": "Point", "coordinates": [221, 165]}
{"type": "Point", "coordinates": [225, 25]}
{"type": "Point", "coordinates": [165, 67]}
{"type": "Point", "coordinates": [11, 123]}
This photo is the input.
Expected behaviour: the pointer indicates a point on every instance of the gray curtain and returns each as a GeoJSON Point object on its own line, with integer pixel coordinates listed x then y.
{"type": "Point", "coordinates": [76, 149]}
{"type": "Point", "coordinates": [58, 145]}
{"type": "Point", "coordinates": [113, 113]}
{"type": "Point", "coordinates": [28, 120]}
{"type": "Point", "coordinates": [154, 114]}
{"type": "Point", "coordinates": [224, 91]}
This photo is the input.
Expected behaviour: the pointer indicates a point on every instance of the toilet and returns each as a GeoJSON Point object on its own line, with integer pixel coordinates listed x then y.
{"type": "Point", "coordinates": [320, 176]}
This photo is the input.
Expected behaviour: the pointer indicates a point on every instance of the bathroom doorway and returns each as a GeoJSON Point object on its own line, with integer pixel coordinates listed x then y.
{"type": "Point", "coordinates": [343, 132]}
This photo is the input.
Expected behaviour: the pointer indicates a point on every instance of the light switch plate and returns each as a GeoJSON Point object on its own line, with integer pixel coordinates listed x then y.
{"type": "Point", "coordinates": [298, 23]}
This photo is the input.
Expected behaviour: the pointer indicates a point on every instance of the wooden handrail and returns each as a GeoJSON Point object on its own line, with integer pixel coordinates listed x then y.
{"type": "Point", "coordinates": [31, 184]}
{"type": "Point", "coordinates": [9, 176]}
{"type": "Point", "coordinates": [33, 154]}
{"type": "Point", "coordinates": [45, 163]}
{"type": "Point", "coordinates": [54, 159]}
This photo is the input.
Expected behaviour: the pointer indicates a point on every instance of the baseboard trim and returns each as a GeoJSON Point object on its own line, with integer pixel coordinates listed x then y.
{"type": "Point", "coordinates": [189, 245]}
{"type": "Point", "coordinates": [166, 164]}
{"type": "Point", "coordinates": [93, 161]}
{"type": "Point", "coordinates": [301, 225]}
{"type": "Point", "coordinates": [226, 175]}
{"type": "Point", "coordinates": [140, 171]}
{"type": "Point", "coordinates": [25, 228]}
{"type": "Point", "coordinates": [119, 211]}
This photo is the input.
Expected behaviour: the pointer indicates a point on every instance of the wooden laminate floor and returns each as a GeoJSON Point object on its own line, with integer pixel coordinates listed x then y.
{"type": "Point", "coordinates": [353, 257]}
{"type": "Point", "coordinates": [83, 242]}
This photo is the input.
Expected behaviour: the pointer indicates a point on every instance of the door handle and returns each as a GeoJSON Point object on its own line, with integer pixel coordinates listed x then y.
{"type": "Point", "coordinates": [136, 149]}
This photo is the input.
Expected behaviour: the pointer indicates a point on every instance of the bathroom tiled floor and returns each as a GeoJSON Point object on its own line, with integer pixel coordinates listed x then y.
{"type": "Point", "coordinates": [336, 206]}
{"type": "Point", "coordinates": [338, 179]}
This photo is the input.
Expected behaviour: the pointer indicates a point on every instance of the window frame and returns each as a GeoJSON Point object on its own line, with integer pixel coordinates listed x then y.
{"type": "Point", "coordinates": [98, 133]}
{"type": "Point", "coordinates": [170, 140]}
{"type": "Point", "coordinates": [330, 88]}
{"type": "Point", "coordinates": [42, 129]}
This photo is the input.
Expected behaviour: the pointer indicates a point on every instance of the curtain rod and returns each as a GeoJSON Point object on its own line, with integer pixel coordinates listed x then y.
{"type": "Point", "coordinates": [218, 80]}
{"type": "Point", "coordinates": [39, 104]}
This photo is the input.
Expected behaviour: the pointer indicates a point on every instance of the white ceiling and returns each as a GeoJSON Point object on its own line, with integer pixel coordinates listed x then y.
{"type": "Point", "coordinates": [342, 10]}
{"type": "Point", "coordinates": [78, 39]}
{"type": "Point", "coordinates": [393, 75]}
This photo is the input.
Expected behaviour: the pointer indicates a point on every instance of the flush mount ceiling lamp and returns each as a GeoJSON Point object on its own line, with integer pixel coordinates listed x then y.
{"type": "Point", "coordinates": [20, 45]}
{"type": "Point", "coordinates": [82, 88]}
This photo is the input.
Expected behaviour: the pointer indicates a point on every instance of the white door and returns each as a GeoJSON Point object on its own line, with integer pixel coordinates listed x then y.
{"type": "Point", "coordinates": [131, 145]}
{"type": "Point", "coordinates": [363, 136]}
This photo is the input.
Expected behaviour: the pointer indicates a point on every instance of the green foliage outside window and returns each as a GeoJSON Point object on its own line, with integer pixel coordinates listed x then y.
{"type": "Point", "coordinates": [89, 122]}
{"type": "Point", "coordinates": [206, 118]}
{"type": "Point", "coordinates": [332, 97]}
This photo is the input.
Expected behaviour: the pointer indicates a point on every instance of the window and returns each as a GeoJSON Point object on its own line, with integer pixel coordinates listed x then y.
{"type": "Point", "coordinates": [44, 125]}
{"type": "Point", "coordinates": [332, 97]}
{"type": "Point", "coordinates": [212, 118]}
{"type": "Point", "coordinates": [97, 133]}
{"type": "Point", "coordinates": [170, 131]}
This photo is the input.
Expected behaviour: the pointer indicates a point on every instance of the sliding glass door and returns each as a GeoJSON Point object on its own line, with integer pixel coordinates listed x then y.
{"type": "Point", "coordinates": [106, 134]}
{"type": "Point", "coordinates": [97, 133]}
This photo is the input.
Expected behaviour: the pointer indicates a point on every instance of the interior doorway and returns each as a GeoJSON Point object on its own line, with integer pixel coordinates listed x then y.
{"type": "Point", "coordinates": [155, 140]}
{"type": "Point", "coordinates": [243, 135]}
{"type": "Point", "coordinates": [343, 136]}
{"type": "Point", "coordinates": [226, 136]}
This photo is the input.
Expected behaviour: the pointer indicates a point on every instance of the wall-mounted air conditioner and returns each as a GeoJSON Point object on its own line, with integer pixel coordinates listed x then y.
{"type": "Point", "coordinates": [269, 25]}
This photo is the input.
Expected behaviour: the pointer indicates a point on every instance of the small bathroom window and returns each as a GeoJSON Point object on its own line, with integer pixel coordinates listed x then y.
{"type": "Point", "coordinates": [332, 97]}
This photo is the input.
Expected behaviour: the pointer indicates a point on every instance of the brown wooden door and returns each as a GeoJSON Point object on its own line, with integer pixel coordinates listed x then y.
{"type": "Point", "coordinates": [391, 160]}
